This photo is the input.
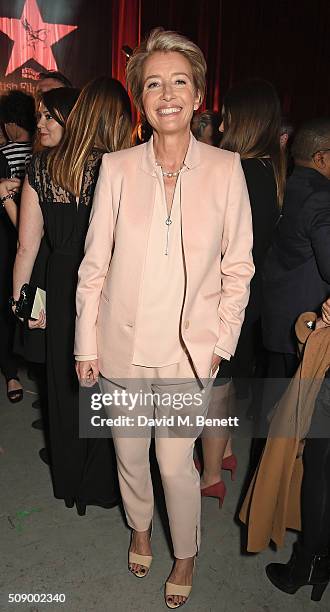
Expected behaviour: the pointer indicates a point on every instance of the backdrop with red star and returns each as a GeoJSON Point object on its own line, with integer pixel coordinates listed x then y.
{"type": "Point", "coordinates": [33, 38]}
{"type": "Point", "coordinates": [73, 36]}
{"type": "Point", "coordinates": [287, 43]}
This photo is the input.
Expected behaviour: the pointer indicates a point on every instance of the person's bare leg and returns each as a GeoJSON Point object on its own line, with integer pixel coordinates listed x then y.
{"type": "Point", "coordinates": [140, 544]}
{"type": "Point", "coordinates": [213, 453]}
{"type": "Point", "coordinates": [182, 573]}
{"type": "Point", "coordinates": [216, 447]}
{"type": "Point", "coordinates": [228, 449]}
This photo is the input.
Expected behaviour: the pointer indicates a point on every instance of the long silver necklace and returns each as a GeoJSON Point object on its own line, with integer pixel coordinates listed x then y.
{"type": "Point", "coordinates": [168, 219]}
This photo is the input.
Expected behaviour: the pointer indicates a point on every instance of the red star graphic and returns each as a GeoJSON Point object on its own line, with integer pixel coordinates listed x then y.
{"type": "Point", "coordinates": [33, 38]}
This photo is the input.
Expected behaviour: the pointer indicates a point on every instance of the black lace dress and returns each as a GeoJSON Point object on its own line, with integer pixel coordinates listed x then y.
{"type": "Point", "coordinates": [83, 470]}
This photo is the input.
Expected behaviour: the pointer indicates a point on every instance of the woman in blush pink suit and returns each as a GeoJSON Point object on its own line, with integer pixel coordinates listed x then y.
{"type": "Point", "coordinates": [164, 284]}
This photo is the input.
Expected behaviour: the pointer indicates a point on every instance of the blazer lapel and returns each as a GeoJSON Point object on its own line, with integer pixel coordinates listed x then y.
{"type": "Point", "coordinates": [190, 196]}
{"type": "Point", "coordinates": [138, 222]}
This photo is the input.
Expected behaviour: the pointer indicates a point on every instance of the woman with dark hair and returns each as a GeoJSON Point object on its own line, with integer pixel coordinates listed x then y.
{"type": "Point", "coordinates": [205, 127]}
{"type": "Point", "coordinates": [56, 199]}
{"type": "Point", "coordinates": [251, 127]}
{"type": "Point", "coordinates": [52, 113]}
{"type": "Point", "coordinates": [141, 133]}
{"type": "Point", "coordinates": [54, 108]}
{"type": "Point", "coordinates": [17, 117]}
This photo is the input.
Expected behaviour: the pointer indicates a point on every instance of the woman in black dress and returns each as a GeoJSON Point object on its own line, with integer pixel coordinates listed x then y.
{"type": "Point", "coordinates": [52, 112]}
{"type": "Point", "coordinates": [54, 108]}
{"type": "Point", "coordinates": [57, 198]}
{"type": "Point", "coordinates": [251, 127]}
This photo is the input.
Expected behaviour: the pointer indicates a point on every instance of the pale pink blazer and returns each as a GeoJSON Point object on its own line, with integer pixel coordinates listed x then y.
{"type": "Point", "coordinates": [217, 244]}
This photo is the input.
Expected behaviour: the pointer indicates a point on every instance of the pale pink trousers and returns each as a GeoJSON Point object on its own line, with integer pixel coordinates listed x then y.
{"type": "Point", "coordinates": [180, 479]}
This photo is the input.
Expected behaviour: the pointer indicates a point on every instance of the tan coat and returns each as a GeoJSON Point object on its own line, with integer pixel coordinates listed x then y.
{"type": "Point", "coordinates": [272, 503]}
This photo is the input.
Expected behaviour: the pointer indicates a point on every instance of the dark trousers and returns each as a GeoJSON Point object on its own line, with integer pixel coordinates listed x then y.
{"type": "Point", "coordinates": [248, 363]}
{"type": "Point", "coordinates": [315, 492]}
{"type": "Point", "coordinates": [281, 367]}
{"type": "Point", "coordinates": [315, 495]}
{"type": "Point", "coordinates": [8, 241]}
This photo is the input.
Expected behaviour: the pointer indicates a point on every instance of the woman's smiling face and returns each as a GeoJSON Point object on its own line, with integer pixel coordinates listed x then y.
{"type": "Point", "coordinates": [169, 96]}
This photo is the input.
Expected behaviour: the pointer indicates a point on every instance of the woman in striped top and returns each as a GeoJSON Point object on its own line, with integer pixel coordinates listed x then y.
{"type": "Point", "coordinates": [17, 115]}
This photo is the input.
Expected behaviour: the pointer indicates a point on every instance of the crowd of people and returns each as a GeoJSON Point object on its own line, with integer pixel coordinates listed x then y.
{"type": "Point", "coordinates": [189, 253]}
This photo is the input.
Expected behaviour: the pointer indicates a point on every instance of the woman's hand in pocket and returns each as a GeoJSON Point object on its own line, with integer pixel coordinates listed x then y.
{"type": "Point", "coordinates": [216, 360]}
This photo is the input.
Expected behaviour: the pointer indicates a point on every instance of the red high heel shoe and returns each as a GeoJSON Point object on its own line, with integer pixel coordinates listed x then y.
{"type": "Point", "coordinates": [217, 490]}
{"type": "Point", "coordinates": [230, 463]}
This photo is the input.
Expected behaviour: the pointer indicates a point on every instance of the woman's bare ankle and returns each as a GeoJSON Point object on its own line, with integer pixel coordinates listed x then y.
{"type": "Point", "coordinates": [210, 478]}
{"type": "Point", "coordinates": [188, 561]}
{"type": "Point", "coordinates": [141, 537]}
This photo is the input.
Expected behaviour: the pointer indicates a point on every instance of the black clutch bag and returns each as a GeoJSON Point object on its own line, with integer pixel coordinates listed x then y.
{"type": "Point", "coordinates": [31, 301]}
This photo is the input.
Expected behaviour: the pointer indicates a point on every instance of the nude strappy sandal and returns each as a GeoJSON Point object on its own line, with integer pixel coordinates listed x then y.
{"type": "Point", "coordinates": [144, 560]}
{"type": "Point", "coordinates": [181, 590]}
{"type": "Point", "coordinates": [172, 589]}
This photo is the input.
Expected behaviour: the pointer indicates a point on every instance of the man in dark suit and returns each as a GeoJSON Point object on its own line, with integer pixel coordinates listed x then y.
{"type": "Point", "coordinates": [296, 276]}
{"type": "Point", "coordinates": [297, 268]}
{"type": "Point", "coordinates": [297, 279]}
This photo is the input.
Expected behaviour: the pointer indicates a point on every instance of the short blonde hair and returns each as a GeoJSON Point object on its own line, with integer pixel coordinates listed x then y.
{"type": "Point", "coordinates": [165, 41]}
